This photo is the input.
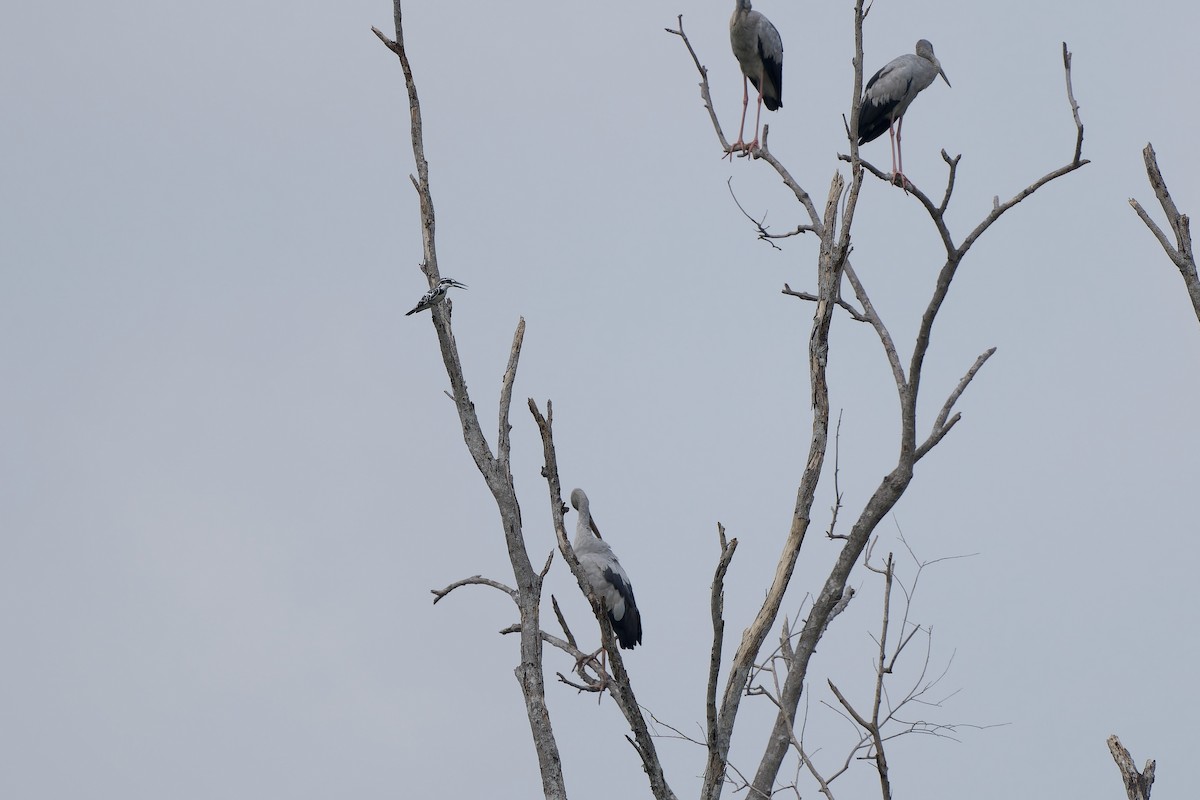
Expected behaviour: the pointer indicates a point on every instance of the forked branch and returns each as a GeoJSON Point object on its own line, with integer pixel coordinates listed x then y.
{"type": "Point", "coordinates": [1137, 784]}
{"type": "Point", "coordinates": [1180, 251]}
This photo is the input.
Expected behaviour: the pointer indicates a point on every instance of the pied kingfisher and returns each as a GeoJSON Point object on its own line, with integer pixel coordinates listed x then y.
{"type": "Point", "coordinates": [436, 295]}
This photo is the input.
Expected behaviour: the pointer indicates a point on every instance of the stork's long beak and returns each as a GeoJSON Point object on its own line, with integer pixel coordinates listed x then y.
{"type": "Point", "coordinates": [943, 74]}
{"type": "Point", "coordinates": [596, 530]}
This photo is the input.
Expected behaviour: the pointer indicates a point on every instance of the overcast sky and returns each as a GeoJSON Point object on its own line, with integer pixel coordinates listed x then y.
{"type": "Point", "coordinates": [229, 476]}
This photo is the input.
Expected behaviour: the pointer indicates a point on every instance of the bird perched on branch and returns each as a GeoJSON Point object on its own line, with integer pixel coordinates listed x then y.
{"type": "Point", "coordinates": [435, 295]}
{"type": "Point", "coordinates": [605, 575]}
{"type": "Point", "coordinates": [759, 51]}
{"type": "Point", "coordinates": [890, 92]}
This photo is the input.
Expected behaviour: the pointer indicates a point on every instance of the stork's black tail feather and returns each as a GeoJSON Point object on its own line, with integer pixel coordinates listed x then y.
{"type": "Point", "coordinates": [628, 628]}
{"type": "Point", "coordinates": [873, 121]}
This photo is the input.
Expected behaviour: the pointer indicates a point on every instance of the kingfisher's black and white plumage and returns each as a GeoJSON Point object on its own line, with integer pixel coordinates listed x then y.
{"type": "Point", "coordinates": [890, 92]}
{"type": "Point", "coordinates": [436, 295]}
{"type": "Point", "coordinates": [758, 49]}
{"type": "Point", "coordinates": [606, 576]}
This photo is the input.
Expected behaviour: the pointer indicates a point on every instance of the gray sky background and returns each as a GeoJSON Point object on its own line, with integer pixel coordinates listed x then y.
{"type": "Point", "coordinates": [230, 477]}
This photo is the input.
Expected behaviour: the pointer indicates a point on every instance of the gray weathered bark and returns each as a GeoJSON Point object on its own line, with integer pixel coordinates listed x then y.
{"type": "Point", "coordinates": [1180, 252]}
{"type": "Point", "coordinates": [1137, 784]}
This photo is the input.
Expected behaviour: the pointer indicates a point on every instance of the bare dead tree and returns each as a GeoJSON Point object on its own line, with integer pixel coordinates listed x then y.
{"type": "Point", "coordinates": [1180, 252]}
{"type": "Point", "coordinates": [831, 224]}
{"type": "Point", "coordinates": [832, 264]}
{"type": "Point", "coordinates": [1137, 784]}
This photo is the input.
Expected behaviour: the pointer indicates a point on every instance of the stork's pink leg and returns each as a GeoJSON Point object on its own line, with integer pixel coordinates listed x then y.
{"type": "Point", "coordinates": [740, 144]}
{"type": "Point", "coordinates": [757, 116]}
{"type": "Point", "coordinates": [892, 141]}
{"type": "Point", "coordinates": [900, 154]}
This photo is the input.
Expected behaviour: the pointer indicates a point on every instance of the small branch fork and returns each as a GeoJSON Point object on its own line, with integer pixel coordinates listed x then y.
{"type": "Point", "coordinates": [872, 725]}
{"type": "Point", "coordinates": [937, 212]}
{"type": "Point", "coordinates": [1180, 252]}
{"type": "Point", "coordinates": [1137, 784]}
{"type": "Point", "coordinates": [763, 233]}
{"type": "Point", "coordinates": [882, 722]}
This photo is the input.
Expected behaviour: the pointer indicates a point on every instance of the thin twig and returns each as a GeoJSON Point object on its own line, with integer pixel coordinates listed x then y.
{"type": "Point", "coordinates": [705, 94]}
{"type": "Point", "coordinates": [854, 313]}
{"type": "Point", "coordinates": [1074, 105]}
{"type": "Point", "coordinates": [562, 622]}
{"type": "Point", "coordinates": [837, 492]}
{"type": "Point", "coordinates": [953, 164]}
{"type": "Point", "coordinates": [885, 338]}
{"type": "Point", "coordinates": [881, 669]}
{"type": "Point", "coordinates": [942, 425]}
{"type": "Point", "coordinates": [474, 580]}
{"type": "Point", "coordinates": [760, 225]}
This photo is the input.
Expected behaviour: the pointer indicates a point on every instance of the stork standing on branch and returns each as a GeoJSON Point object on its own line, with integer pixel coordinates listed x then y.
{"type": "Point", "coordinates": [890, 92]}
{"type": "Point", "coordinates": [605, 575]}
{"type": "Point", "coordinates": [759, 51]}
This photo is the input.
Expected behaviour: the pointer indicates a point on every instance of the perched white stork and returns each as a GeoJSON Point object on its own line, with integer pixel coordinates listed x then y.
{"type": "Point", "coordinates": [759, 51]}
{"type": "Point", "coordinates": [605, 575]}
{"type": "Point", "coordinates": [435, 295]}
{"type": "Point", "coordinates": [890, 92]}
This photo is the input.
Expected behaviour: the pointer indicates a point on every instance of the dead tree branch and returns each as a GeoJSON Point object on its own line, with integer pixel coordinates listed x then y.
{"type": "Point", "coordinates": [882, 722]}
{"type": "Point", "coordinates": [1137, 784]}
{"type": "Point", "coordinates": [854, 313]}
{"type": "Point", "coordinates": [942, 425]}
{"type": "Point", "coordinates": [763, 233]}
{"type": "Point", "coordinates": [495, 469]}
{"type": "Point", "coordinates": [717, 605]}
{"type": "Point", "coordinates": [705, 95]}
{"type": "Point", "coordinates": [619, 684]}
{"type": "Point", "coordinates": [475, 580]}
{"type": "Point", "coordinates": [1180, 253]}
{"type": "Point", "coordinates": [1074, 105]}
